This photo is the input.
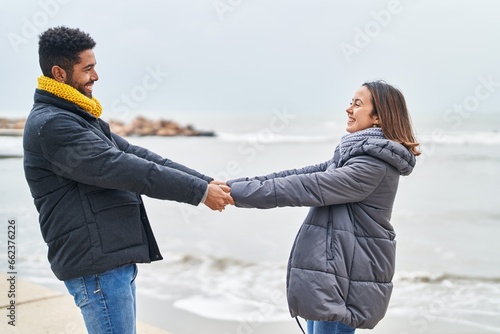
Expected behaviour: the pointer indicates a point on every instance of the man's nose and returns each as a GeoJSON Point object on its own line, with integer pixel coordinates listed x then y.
{"type": "Point", "coordinates": [94, 76]}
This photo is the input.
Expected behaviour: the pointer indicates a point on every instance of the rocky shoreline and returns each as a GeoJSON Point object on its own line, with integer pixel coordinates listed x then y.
{"type": "Point", "coordinates": [12, 127]}
{"type": "Point", "coordinates": [140, 126]}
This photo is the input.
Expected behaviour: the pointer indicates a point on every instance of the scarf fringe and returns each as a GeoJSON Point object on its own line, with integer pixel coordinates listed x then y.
{"type": "Point", "coordinates": [66, 92]}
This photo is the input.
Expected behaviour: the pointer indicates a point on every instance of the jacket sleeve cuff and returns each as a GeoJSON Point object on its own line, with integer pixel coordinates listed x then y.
{"type": "Point", "coordinates": [204, 196]}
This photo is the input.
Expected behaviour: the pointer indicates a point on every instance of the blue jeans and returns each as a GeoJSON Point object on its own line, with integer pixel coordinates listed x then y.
{"type": "Point", "coordinates": [328, 327]}
{"type": "Point", "coordinates": [107, 300]}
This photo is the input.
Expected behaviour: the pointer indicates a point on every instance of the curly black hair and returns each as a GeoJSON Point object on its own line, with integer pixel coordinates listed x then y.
{"type": "Point", "coordinates": [61, 46]}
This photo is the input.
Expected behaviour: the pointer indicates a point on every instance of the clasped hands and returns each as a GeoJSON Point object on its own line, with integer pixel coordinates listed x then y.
{"type": "Point", "coordinates": [218, 195]}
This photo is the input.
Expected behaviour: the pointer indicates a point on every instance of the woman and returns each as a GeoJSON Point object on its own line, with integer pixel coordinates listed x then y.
{"type": "Point", "coordinates": [342, 261]}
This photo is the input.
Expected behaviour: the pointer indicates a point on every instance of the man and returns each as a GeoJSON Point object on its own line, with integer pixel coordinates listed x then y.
{"type": "Point", "coordinates": [86, 183]}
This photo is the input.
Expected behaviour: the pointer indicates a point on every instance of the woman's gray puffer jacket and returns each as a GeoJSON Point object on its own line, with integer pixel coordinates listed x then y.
{"type": "Point", "coordinates": [342, 261]}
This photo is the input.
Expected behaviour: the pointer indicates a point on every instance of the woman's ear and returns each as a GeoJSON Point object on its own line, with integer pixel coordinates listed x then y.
{"type": "Point", "coordinates": [59, 74]}
{"type": "Point", "coordinates": [376, 120]}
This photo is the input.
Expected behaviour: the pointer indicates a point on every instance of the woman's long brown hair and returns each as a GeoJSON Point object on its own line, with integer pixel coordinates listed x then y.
{"type": "Point", "coordinates": [390, 106]}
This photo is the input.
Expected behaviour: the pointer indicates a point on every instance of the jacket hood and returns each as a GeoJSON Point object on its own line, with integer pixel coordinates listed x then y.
{"type": "Point", "coordinates": [386, 150]}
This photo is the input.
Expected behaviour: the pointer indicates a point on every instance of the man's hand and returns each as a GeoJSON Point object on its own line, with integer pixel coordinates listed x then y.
{"type": "Point", "coordinates": [218, 196]}
{"type": "Point", "coordinates": [217, 182]}
{"type": "Point", "coordinates": [226, 188]}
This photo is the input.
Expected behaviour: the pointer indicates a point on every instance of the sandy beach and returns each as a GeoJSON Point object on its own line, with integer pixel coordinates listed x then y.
{"type": "Point", "coordinates": [37, 309]}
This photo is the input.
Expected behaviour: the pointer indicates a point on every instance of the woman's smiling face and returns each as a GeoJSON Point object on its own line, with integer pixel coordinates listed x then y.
{"type": "Point", "coordinates": [360, 112]}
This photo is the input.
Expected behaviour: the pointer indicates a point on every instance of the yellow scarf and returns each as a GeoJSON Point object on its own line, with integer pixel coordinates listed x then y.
{"type": "Point", "coordinates": [64, 91]}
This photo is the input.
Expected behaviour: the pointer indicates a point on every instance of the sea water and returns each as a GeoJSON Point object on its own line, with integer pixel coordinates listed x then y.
{"type": "Point", "coordinates": [231, 266]}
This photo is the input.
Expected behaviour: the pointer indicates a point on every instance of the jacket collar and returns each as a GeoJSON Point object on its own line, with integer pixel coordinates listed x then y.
{"type": "Point", "coordinates": [44, 97]}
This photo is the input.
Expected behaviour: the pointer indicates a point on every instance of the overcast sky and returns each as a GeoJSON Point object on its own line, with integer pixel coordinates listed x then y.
{"type": "Point", "coordinates": [255, 55]}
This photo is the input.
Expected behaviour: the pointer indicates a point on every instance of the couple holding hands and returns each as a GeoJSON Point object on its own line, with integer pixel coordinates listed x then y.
{"type": "Point", "coordinates": [87, 184]}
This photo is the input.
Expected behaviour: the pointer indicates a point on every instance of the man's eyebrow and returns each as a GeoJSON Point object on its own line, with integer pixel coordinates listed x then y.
{"type": "Point", "coordinates": [89, 66]}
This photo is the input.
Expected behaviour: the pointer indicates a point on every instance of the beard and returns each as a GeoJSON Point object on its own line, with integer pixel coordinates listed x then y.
{"type": "Point", "coordinates": [79, 87]}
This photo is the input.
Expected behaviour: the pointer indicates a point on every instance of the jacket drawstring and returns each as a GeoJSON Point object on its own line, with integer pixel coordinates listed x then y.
{"type": "Point", "coordinates": [298, 323]}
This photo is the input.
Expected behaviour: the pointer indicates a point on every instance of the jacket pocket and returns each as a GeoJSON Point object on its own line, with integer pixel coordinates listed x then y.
{"type": "Point", "coordinates": [330, 244]}
{"type": "Point", "coordinates": [118, 219]}
{"type": "Point", "coordinates": [108, 199]}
